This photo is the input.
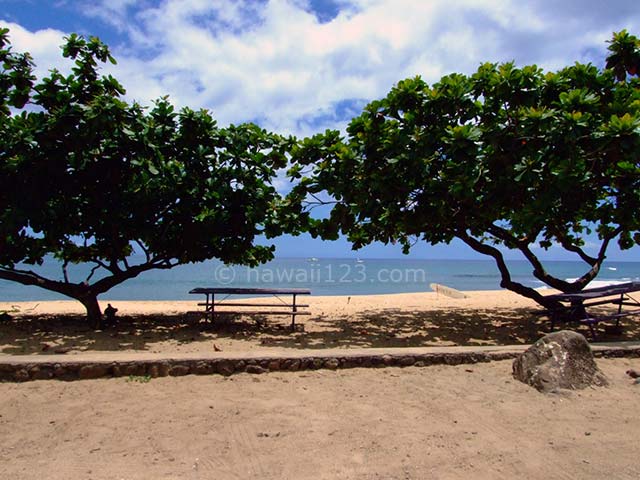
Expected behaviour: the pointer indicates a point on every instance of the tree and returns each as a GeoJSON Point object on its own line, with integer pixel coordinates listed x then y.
{"type": "Point", "coordinates": [507, 157]}
{"type": "Point", "coordinates": [86, 177]}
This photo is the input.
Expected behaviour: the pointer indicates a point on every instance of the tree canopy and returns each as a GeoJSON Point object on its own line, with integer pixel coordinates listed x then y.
{"type": "Point", "coordinates": [507, 157]}
{"type": "Point", "coordinates": [86, 176]}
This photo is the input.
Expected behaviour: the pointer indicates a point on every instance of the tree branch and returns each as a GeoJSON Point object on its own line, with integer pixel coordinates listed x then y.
{"type": "Point", "coordinates": [65, 274]}
{"type": "Point", "coordinates": [540, 272]}
{"type": "Point", "coordinates": [93, 270]}
{"type": "Point", "coordinates": [30, 278]}
{"type": "Point", "coordinates": [144, 249]}
{"type": "Point", "coordinates": [567, 245]}
{"type": "Point", "coordinates": [506, 281]}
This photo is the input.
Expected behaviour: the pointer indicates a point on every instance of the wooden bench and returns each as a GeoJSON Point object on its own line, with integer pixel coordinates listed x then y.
{"type": "Point", "coordinates": [579, 303]}
{"type": "Point", "coordinates": [244, 307]}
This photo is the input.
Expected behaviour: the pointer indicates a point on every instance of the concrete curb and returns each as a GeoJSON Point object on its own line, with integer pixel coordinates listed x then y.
{"type": "Point", "coordinates": [45, 367]}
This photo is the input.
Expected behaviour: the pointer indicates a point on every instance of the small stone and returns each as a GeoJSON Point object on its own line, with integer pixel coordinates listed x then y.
{"type": "Point", "coordinates": [179, 370]}
{"type": "Point", "coordinates": [294, 366]}
{"type": "Point", "coordinates": [21, 375]}
{"type": "Point", "coordinates": [92, 371]}
{"type": "Point", "coordinates": [163, 369]}
{"type": "Point", "coordinates": [633, 373]}
{"type": "Point", "coordinates": [38, 373]}
{"type": "Point", "coordinates": [274, 365]}
{"type": "Point", "coordinates": [202, 368]}
{"type": "Point", "coordinates": [332, 364]}
{"type": "Point", "coordinates": [407, 361]}
{"type": "Point", "coordinates": [135, 369]}
{"type": "Point", "coordinates": [225, 368]}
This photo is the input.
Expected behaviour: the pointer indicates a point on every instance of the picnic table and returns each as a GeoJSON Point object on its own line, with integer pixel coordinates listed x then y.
{"type": "Point", "coordinates": [577, 306]}
{"type": "Point", "coordinates": [282, 306]}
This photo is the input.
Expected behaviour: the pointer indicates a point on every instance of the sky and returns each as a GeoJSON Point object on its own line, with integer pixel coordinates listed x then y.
{"type": "Point", "coordinates": [302, 66]}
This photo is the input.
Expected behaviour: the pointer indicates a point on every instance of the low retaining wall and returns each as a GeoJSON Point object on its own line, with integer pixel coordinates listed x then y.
{"type": "Point", "coordinates": [19, 369]}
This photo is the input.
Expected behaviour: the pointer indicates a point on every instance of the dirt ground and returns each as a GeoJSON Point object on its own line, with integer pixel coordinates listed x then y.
{"type": "Point", "coordinates": [440, 422]}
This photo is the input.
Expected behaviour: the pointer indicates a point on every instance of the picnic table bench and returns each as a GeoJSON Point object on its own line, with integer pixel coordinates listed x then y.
{"type": "Point", "coordinates": [575, 305]}
{"type": "Point", "coordinates": [215, 307]}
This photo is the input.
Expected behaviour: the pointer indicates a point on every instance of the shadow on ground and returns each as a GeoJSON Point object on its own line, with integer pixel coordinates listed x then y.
{"type": "Point", "coordinates": [45, 334]}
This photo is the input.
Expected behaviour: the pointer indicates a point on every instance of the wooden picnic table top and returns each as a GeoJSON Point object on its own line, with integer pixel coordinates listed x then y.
{"type": "Point", "coordinates": [250, 291]}
{"type": "Point", "coordinates": [597, 292]}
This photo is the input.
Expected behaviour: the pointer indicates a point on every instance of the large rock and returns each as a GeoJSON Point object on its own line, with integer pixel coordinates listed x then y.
{"type": "Point", "coordinates": [559, 360]}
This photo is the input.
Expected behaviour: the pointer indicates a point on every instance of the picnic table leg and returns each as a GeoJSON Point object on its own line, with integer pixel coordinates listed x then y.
{"type": "Point", "coordinates": [620, 304]}
{"type": "Point", "coordinates": [213, 308]}
{"type": "Point", "coordinates": [293, 317]}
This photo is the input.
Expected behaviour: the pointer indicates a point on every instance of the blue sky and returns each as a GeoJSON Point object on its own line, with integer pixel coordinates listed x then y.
{"type": "Point", "coordinates": [301, 66]}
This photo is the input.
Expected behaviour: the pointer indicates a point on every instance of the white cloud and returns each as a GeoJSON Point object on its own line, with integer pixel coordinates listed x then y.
{"type": "Point", "coordinates": [112, 12]}
{"type": "Point", "coordinates": [44, 46]}
{"type": "Point", "coordinates": [276, 62]}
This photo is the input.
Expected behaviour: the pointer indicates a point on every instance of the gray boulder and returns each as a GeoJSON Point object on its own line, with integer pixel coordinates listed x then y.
{"type": "Point", "coordinates": [559, 360]}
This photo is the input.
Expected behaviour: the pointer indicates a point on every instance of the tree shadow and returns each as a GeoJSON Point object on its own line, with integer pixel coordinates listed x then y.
{"type": "Point", "coordinates": [47, 334]}
{"type": "Point", "coordinates": [395, 327]}
{"type": "Point", "coordinates": [379, 328]}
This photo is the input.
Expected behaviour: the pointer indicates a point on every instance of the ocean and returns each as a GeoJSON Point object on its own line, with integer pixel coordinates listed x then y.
{"type": "Point", "coordinates": [323, 276]}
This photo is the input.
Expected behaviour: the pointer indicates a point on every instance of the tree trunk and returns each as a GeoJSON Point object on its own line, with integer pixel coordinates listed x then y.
{"type": "Point", "coordinates": [94, 314]}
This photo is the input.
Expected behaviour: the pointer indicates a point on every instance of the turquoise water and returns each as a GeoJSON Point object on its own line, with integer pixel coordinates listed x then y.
{"type": "Point", "coordinates": [323, 276]}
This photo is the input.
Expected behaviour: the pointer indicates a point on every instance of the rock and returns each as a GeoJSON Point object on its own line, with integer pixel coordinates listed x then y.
{"type": "Point", "coordinates": [292, 365]}
{"type": "Point", "coordinates": [93, 371]}
{"type": "Point", "coordinates": [274, 365]}
{"type": "Point", "coordinates": [153, 371]}
{"type": "Point", "coordinates": [163, 369]}
{"type": "Point", "coordinates": [225, 368]}
{"type": "Point", "coordinates": [202, 368]}
{"type": "Point", "coordinates": [59, 371]}
{"type": "Point", "coordinates": [21, 375]}
{"type": "Point", "coordinates": [407, 361]}
{"type": "Point", "coordinates": [559, 360]}
{"type": "Point", "coordinates": [332, 364]}
{"type": "Point", "coordinates": [39, 373]}
{"type": "Point", "coordinates": [255, 369]}
{"type": "Point", "coordinates": [134, 369]}
{"type": "Point", "coordinates": [179, 370]}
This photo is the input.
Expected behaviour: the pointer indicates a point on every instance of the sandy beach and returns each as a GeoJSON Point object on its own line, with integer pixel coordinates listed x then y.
{"type": "Point", "coordinates": [399, 320]}
{"type": "Point", "coordinates": [443, 422]}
